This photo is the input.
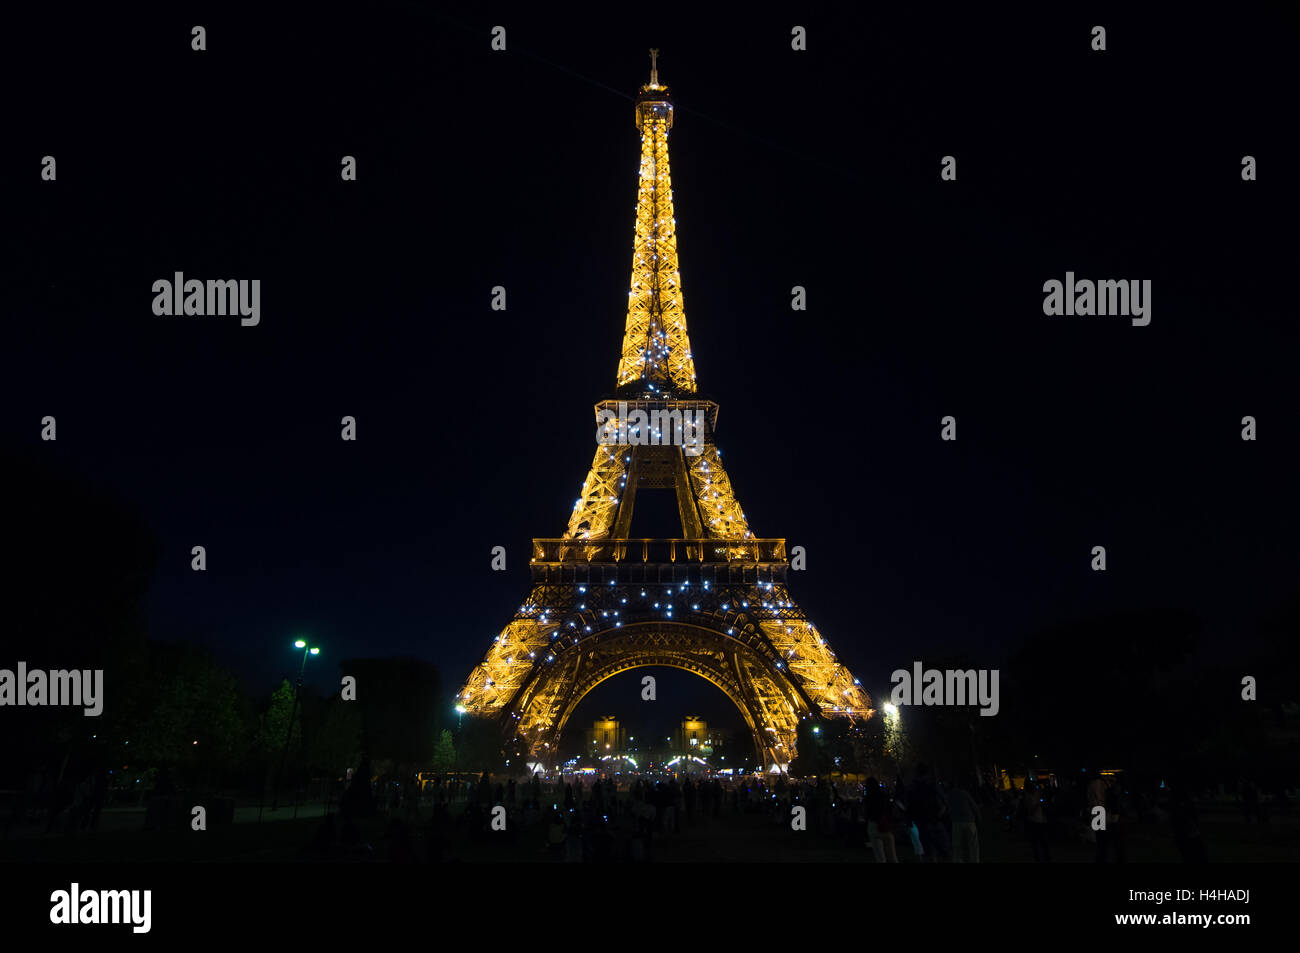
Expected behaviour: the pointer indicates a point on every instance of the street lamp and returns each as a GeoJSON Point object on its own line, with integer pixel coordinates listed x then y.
{"type": "Point", "coordinates": [460, 714]}
{"type": "Point", "coordinates": [293, 713]}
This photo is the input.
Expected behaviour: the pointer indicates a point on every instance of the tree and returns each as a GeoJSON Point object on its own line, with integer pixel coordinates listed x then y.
{"type": "Point", "coordinates": [444, 755]}
{"type": "Point", "coordinates": [185, 712]}
{"type": "Point", "coordinates": [79, 567]}
{"type": "Point", "coordinates": [270, 739]}
{"type": "Point", "coordinates": [274, 724]}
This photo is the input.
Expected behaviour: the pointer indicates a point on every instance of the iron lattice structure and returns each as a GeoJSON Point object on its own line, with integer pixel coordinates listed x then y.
{"type": "Point", "coordinates": [713, 602]}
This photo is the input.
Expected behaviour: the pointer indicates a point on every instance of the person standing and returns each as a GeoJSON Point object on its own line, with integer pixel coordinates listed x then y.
{"type": "Point", "coordinates": [926, 804]}
{"type": "Point", "coordinates": [1036, 821]}
{"type": "Point", "coordinates": [964, 811]}
{"type": "Point", "coordinates": [879, 808]}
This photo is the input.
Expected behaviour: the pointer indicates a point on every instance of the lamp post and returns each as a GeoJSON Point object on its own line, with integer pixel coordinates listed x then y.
{"type": "Point", "coordinates": [293, 712]}
{"type": "Point", "coordinates": [460, 717]}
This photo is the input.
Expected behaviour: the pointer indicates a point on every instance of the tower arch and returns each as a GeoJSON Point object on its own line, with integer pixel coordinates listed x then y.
{"type": "Point", "coordinates": [743, 669]}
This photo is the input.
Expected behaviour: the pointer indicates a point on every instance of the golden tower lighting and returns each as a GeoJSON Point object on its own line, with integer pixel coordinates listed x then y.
{"type": "Point", "coordinates": [712, 601]}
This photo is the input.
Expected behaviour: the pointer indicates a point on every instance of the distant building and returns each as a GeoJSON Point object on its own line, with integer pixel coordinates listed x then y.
{"type": "Point", "coordinates": [693, 737]}
{"type": "Point", "coordinates": [606, 736]}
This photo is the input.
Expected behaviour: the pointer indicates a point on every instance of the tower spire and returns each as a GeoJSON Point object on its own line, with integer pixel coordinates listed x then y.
{"type": "Point", "coordinates": [656, 359]}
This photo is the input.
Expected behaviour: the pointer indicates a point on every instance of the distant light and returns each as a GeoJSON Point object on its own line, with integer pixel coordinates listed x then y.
{"type": "Point", "coordinates": [300, 644]}
{"type": "Point", "coordinates": [891, 708]}
{"type": "Point", "coordinates": [315, 651]}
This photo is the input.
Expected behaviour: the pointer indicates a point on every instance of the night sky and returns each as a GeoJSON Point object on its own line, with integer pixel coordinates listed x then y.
{"type": "Point", "coordinates": [518, 168]}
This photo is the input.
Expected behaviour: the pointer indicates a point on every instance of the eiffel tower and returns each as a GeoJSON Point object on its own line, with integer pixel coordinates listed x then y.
{"type": "Point", "coordinates": [714, 601]}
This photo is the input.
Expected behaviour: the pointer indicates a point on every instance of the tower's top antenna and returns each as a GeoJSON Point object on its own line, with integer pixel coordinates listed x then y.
{"type": "Point", "coordinates": [652, 100]}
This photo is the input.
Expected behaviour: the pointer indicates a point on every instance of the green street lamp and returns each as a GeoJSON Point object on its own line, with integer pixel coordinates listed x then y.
{"type": "Point", "coordinates": [293, 713]}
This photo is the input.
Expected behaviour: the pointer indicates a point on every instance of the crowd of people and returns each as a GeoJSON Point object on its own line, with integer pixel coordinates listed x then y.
{"type": "Point", "coordinates": [632, 817]}
{"type": "Point", "coordinates": [60, 800]}
{"type": "Point", "coordinates": [601, 819]}
{"type": "Point", "coordinates": [943, 822]}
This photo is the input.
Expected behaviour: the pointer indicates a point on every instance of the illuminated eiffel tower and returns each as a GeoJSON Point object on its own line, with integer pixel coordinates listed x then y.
{"type": "Point", "coordinates": [713, 602]}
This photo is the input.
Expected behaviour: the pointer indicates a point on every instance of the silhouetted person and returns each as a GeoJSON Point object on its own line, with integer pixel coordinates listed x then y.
{"type": "Point", "coordinates": [1035, 815]}
{"type": "Point", "coordinates": [879, 808]}
{"type": "Point", "coordinates": [927, 810]}
{"type": "Point", "coordinates": [964, 812]}
{"type": "Point", "coordinates": [358, 800]}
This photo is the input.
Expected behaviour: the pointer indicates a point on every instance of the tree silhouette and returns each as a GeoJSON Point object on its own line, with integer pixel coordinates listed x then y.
{"type": "Point", "coordinates": [444, 755]}
{"type": "Point", "coordinates": [183, 712]}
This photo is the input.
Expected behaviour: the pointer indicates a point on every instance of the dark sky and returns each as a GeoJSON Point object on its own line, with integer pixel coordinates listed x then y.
{"type": "Point", "coordinates": [518, 168]}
